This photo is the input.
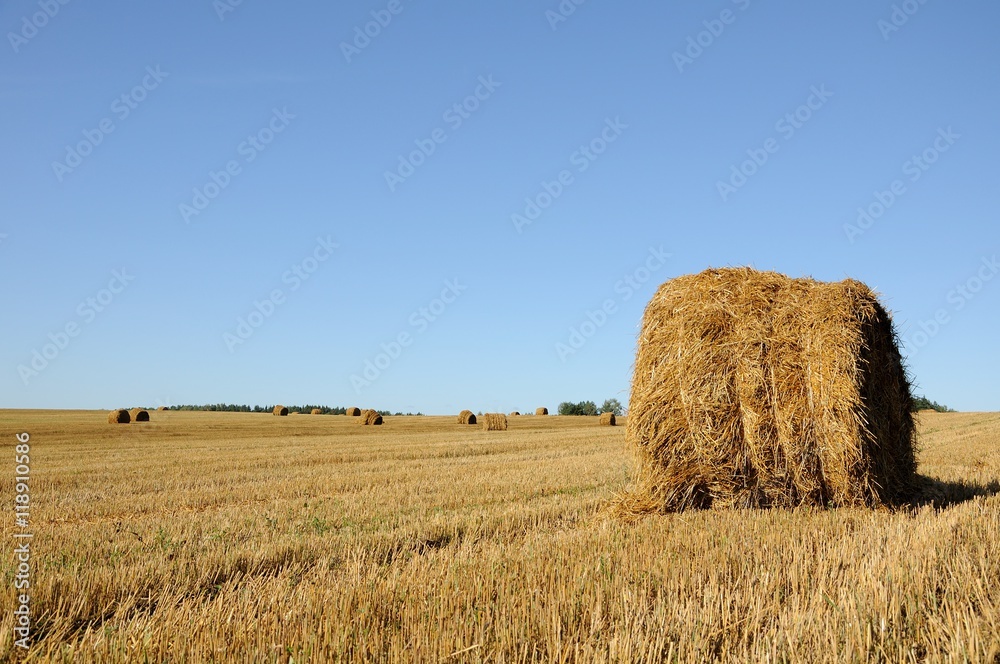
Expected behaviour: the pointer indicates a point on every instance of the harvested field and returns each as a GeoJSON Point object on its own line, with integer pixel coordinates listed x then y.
{"type": "Point", "coordinates": [219, 534]}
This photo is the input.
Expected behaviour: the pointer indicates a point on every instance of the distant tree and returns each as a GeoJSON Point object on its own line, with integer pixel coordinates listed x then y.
{"type": "Point", "coordinates": [243, 408]}
{"type": "Point", "coordinates": [582, 408]}
{"type": "Point", "coordinates": [923, 403]}
{"type": "Point", "coordinates": [611, 406]}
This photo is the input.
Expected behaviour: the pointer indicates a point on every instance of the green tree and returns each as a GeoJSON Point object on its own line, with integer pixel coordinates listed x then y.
{"type": "Point", "coordinates": [612, 406]}
{"type": "Point", "coordinates": [923, 403]}
{"type": "Point", "coordinates": [582, 408]}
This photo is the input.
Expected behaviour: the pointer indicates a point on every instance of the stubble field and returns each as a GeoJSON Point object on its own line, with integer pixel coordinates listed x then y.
{"type": "Point", "coordinates": [203, 537]}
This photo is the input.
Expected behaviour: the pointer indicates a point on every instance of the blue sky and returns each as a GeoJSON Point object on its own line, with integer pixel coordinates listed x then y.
{"type": "Point", "coordinates": [169, 168]}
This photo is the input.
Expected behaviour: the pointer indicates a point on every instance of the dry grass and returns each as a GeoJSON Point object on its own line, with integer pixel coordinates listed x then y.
{"type": "Point", "coordinates": [752, 389]}
{"type": "Point", "coordinates": [234, 537]}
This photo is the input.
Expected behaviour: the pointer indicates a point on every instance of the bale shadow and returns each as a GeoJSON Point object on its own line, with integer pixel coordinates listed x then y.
{"type": "Point", "coordinates": [930, 491]}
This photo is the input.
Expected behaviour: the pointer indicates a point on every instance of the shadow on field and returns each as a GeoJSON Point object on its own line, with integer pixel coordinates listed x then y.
{"type": "Point", "coordinates": [941, 494]}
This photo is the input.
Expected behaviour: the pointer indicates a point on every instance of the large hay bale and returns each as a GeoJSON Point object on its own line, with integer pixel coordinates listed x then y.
{"type": "Point", "coordinates": [353, 412]}
{"type": "Point", "coordinates": [370, 417]}
{"type": "Point", "coordinates": [466, 417]}
{"type": "Point", "coordinates": [494, 422]}
{"type": "Point", "coordinates": [541, 411]}
{"type": "Point", "coordinates": [608, 419]}
{"type": "Point", "coordinates": [752, 389]}
{"type": "Point", "coordinates": [281, 411]}
{"type": "Point", "coordinates": [120, 416]}
{"type": "Point", "coordinates": [139, 415]}
{"type": "Point", "coordinates": [315, 411]}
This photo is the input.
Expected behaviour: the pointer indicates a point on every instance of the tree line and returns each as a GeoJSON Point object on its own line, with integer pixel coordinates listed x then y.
{"type": "Point", "coordinates": [306, 409]}
{"type": "Point", "coordinates": [923, 403]}
{"type": "Point", "coordinates": [590, 408]}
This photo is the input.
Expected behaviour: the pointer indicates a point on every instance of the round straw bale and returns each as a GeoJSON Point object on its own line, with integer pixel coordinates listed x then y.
{"type": "Point", "coordinates": [162, 408]}
{"type": "Point", "coordinates": [514, 413]}
{"type": "Point", "coordinates": [280, 411]}
{"type": "Point", "coordinates": [608, 419]}
{"type": "Point", "coordinates": [370, 417]}
{"type": "Point", "coordinates": [139, 415]}
{"type": "Point", "coordinates": [541, 411]}
{"type": "Point", "coordinates": [466, 417]}
{"type": "Point", "coordinates": [353, 412]}
{"type": "Point", "coordinates": [752, 389]}
{"type": "Point", "coordinates": [494, 422]}
{"type": "Point", "coordinates": [315, 411]}
{"type": "Point", "coordinates": [120, 416]}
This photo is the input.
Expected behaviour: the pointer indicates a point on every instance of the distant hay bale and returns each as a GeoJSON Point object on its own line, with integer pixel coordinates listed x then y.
{"type": "Point", "coordinates": [541, 411]}
{"type": "Point", "coordinates": [139, 415]}
{"type": "Point", "coordinates": [608, 419]}
{"type": "Point", "coordinates": [280, 411]}
{"type": "Point", "coordinates": [466, 417]}
{"type": "Point", "coordinates": [752, 389]}
{"type": "Point", "coordinates": [494, 422]}
{"type": "Point", "coordinates": [370, 417]}
{"type": "Point", "coordinates": [120, 416]}
{"type": "Point", "coordinates": [514, 413]}
{"type": "Point", "coordinates": [315, 411]}
{"type": "Point", "coordinates": [162, 408]}
{"type": "Point", "coordinates": [353, 412]}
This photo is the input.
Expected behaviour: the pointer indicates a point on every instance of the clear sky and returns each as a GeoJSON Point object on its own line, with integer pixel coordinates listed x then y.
{"type": "Point", "coordinates": [479, 181]}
